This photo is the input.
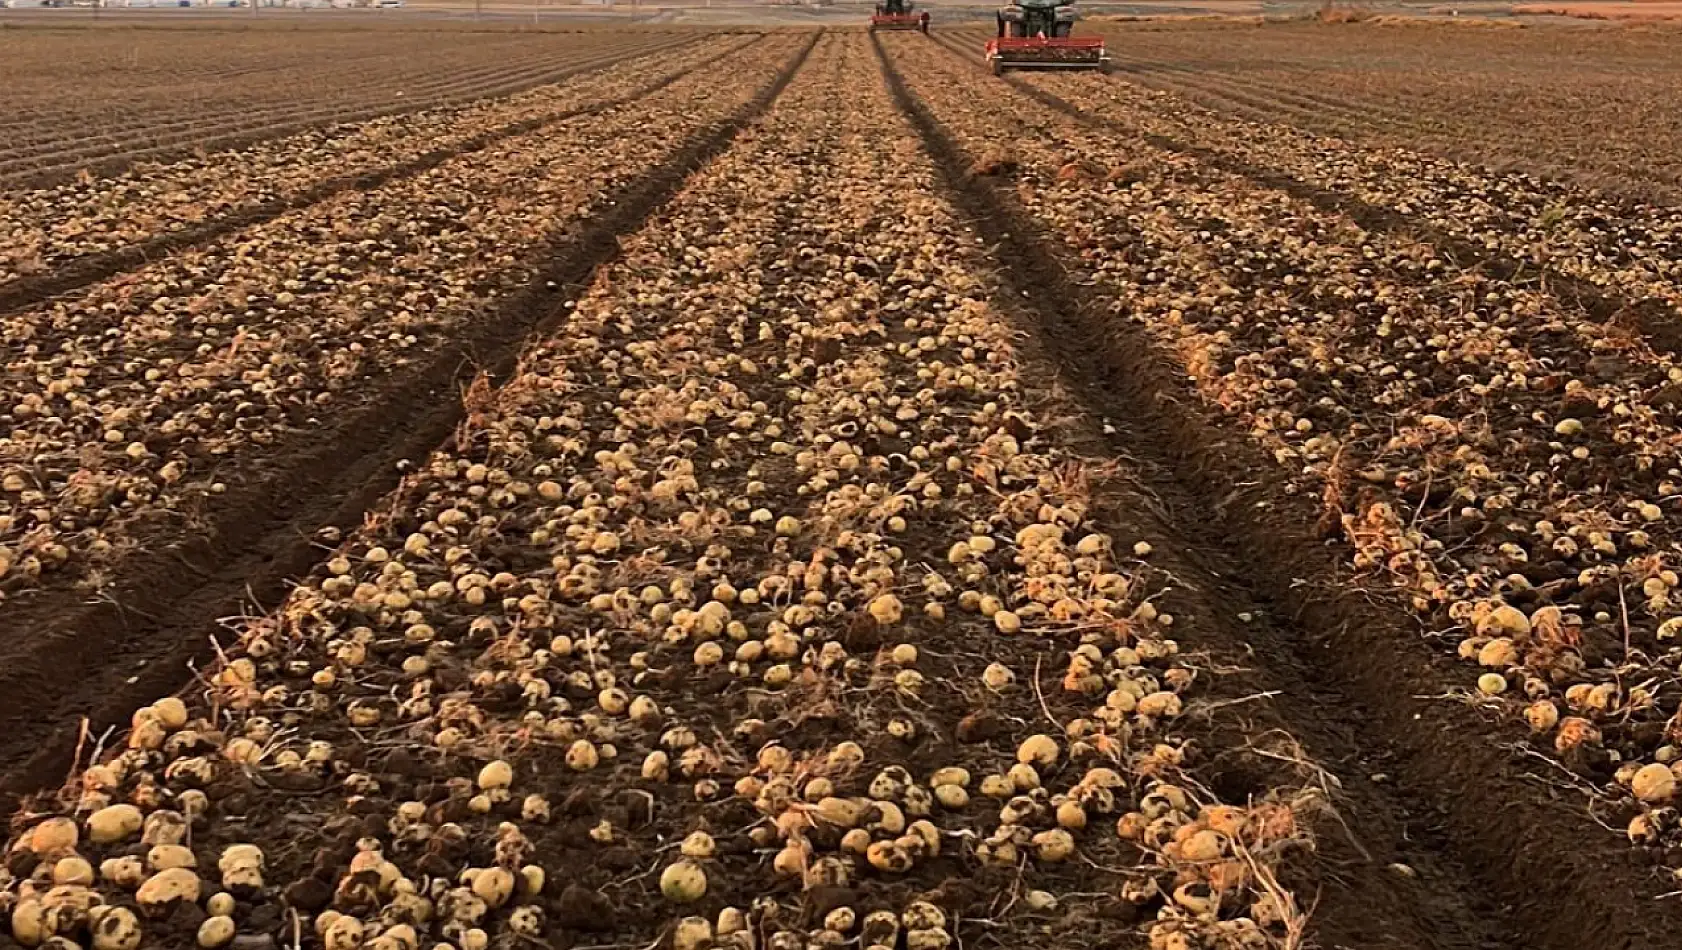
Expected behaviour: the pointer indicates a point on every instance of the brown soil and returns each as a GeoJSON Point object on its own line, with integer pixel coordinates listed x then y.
{"type": "Point", "coordinates": [1638, 10]}
{"type": "Point", "coordinates": [1503, 859]}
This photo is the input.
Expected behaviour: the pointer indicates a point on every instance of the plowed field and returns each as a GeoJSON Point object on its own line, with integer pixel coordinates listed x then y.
{"type": "Point", "coordinates": [793, 490]}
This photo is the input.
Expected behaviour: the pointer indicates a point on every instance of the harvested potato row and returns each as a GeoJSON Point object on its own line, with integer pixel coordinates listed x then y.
{"type": "Point", "coordinates": [761, 609]}
{"type": "Point", "coordinates": [126, 404]}
{"type": "Point", "coordinates": [1632, 250]}
{"type": "Point", "coordinates": [1507, 97]}
{"type": "Point", "coordinates": [137, 103]}
{"type": "Point", "coordinates": [1511, 469]}
{"type": "Point", "coordinates": [49, 228]}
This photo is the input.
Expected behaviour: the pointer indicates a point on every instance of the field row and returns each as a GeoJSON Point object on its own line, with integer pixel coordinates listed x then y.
{"type": "Point", "coordinates": [930, 510]}
{"type": "Point", "coordinates": [132, 403]}
{"type": "Point", "coordinates": [1493, 452]}
{"type": "Point", "coordinates": [760, 608]}
{"type": "Point", "coordinates": [1535, 99]}
{"type": "Point", "coordinates": [53, 236]}
{"type": "Point", "coordinates": [126, 113]}
{"type": "Point", "coordinates": [1624, 254]}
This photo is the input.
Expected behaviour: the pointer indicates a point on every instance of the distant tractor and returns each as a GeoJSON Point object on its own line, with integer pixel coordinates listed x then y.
{"type": "Point", "coordinates": [897, 15]}
{"type": "Point", "coordinates": [1036, 34]}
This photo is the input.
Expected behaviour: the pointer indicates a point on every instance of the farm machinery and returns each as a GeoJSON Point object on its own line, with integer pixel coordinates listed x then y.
{"type": "Point", "coordinates": [897, 15]}
{"type": "Point", "coordinates": [1034, 34]}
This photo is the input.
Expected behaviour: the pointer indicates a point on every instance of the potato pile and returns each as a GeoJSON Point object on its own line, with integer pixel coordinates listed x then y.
{"type": "Point", "coordinates": [762, 609]}
{"type": "Point", "coordinates": [128, 405]}
{"type": "Point", "coordinates": [48, 228]}
{"type": "Point", "coordinates": [1508, 464]}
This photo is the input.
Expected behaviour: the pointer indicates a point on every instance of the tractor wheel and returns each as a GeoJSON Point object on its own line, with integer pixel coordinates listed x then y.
{"type": "Point", "coordinates": [997, 67]}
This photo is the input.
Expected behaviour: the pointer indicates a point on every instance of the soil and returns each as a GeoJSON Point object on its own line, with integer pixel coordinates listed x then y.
{"type": "Point", "coordinates": [1499, 857]}
{"type": "Point", "coordinates": [1639, 10]}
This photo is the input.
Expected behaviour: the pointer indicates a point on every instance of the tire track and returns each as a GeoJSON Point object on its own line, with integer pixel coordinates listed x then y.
{"type": "Point", "coordinates": [31, 291]}
{"type": "Point", "coordinates": [1492, 859]}
{"type": "Point", "coordinates": [57, 662]}
{"type": "Point", "coordinates": [1655, 320]}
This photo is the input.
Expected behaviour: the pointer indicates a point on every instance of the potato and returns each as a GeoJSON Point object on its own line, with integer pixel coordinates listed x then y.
{"type": "Point", "coordinates": [166, 856]}
{"type": "Point", "coordinates": [886, 609]}
{"type": "Point", "coordinates": [1071, 815]}
{"type": "Point", "coordinates": [162, 891]}
{"type": "Point", "coordinates": [237, 856]}
{"type": "Point", "coordinates": [1160, 704]}
{"type": "Point", "coordinates": [1054, 845]}
{"type": "Point", "coordinates": [683, 882]}
{"type": "Point", "coordinates": [922, 915]}
{"type": "Point", "coordinates": [216, 932]}
{"type": "Point", "coordinates": [840, 812]}
{"type": "Point", "coordinates": [164, 827]}
{"type": "Point", "coordinates": [114, 823]}
{"type": "Point", "coordinates": [493, 886]}
{"type": "Point", "coordinates": [1653, 783]}
{"type": "Point", "coordinates": [532, 880]}
{"type": "Point", "coordinates": [114, 928]}
{"type": "Point", "coordinates": [698, 845]}
{"type": "Point", "coordinates": [950, 775]}
{"type": "Point", "coordinates": [170, 712]}
{"type": "Point", "coordinates": [497, 774]}
{"type": "Point", "coordinates": [1040, 750]}
{"type": "Point", "coordinates": [692, 933]}
{"type": "Point", "coordinates": [344, 933]}
{"type": "Point", "coordinates": [888, 856]}
{"type": "Point", "coordinates": [525, 921]}
{"type": "Point", "coordinates": [29, 923]}
{"type": "Point", "coordinates": [73, 870]}
{"type": "Point", "coordinates": [125, 872]}
{"type": "Point", "coordinates": [53, 837]}
{"type": "Point", "coordinates": [927, 940]}
{"type": "Point", "coordinates": [951, 796]}
{"type": "Point", "coordinates": [582, 756]}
